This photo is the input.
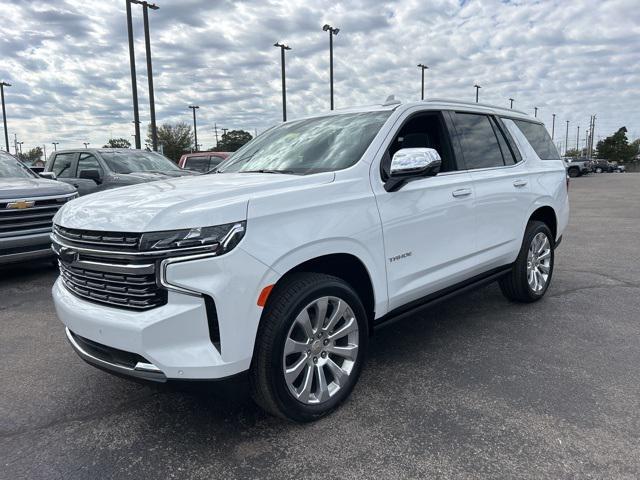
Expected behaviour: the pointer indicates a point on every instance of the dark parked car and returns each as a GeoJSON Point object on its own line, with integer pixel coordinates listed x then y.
{"type": "Point", "coordinates": [27, 206]}
{"type": "Point", "coordinates": [600, 165]}
{"type": "Point", "coordinates": [91, 170]}
{"type": "Point", "coordinates": [202, 161]}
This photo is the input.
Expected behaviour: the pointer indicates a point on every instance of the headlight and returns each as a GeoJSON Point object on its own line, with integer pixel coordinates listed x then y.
{"type": "Point", "coordinates": [219, 239]}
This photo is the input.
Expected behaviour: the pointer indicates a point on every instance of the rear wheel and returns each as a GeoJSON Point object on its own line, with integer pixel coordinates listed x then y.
{"type": "Point", "coordinates": [531, 273]}
{"type": "Point", "coordinates": [598, 170]}
{"type": "Point", "coordinates": [573, 172]}
{"type": "Point", "coordinates": [310, 347]}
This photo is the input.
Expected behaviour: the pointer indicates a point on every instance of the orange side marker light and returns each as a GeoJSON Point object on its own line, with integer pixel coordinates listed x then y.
{"type": "Point", "coordinates": [264, 294]}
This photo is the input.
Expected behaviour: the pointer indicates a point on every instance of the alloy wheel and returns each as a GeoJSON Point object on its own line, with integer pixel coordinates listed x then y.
{"type": "Point", "coordinates": [321, 349]}
{"type": "Point", "coordinates": [539, 262]}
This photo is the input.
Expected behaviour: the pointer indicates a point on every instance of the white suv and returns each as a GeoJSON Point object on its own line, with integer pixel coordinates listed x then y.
{"type": "Point", "coordinates": [306, 239]}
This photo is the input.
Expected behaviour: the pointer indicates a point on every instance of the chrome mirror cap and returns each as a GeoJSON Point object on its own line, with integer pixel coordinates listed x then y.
{"type": "Point", "coordinates": [415, 161]}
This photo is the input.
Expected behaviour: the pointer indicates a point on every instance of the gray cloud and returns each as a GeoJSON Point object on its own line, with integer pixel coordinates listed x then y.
{"type": "Point", "coordinates": [70, 69]}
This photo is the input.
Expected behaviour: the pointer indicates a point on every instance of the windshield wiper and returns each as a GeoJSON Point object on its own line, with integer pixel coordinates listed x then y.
{"type": "Point", "coordinates": [266, 170]}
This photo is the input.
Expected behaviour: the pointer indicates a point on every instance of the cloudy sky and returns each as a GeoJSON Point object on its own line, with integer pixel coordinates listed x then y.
{"type": "Point", "coordinates": [69, 66]}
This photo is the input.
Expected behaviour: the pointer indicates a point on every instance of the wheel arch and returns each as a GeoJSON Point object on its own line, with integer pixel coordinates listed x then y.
{"type": "Point", "coordinates": [547, 215]}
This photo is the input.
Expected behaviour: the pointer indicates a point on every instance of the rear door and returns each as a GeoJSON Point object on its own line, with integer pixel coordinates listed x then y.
{"type": "Point", "coordinates": [501, 185]}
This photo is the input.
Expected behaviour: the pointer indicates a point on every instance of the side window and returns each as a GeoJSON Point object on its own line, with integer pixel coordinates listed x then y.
{"type": "Point", "coordinates": [480, 145]}
{"type": "Point", "coordinates": [62, 165]}
{"type": "Point", "coordinates": [424, 130]}
{"type": "Point", "coordinates": [215, 161]}
{"type": "Point", "coordinates": [537, 135]}
{"type": "Point", "coordinates": [199, 164]}
{"type": "Point", "coordinates": [88, 162]}
{"type": "Point", "coordinates": [507, 154]}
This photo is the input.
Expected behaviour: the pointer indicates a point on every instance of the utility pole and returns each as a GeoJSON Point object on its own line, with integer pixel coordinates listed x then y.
{"type": "Point", "coordinates": [578, 139]}
{"type": "Point", "coordinates": [44, 149]}
{"type": "Point", "coordinates": [20, 143]}
{"type": "Point", "coordinates": [535, 112]}
{"type": "Point", "coordinates": [566, 139]}
{"type": "Point", "coordinates": [55, 146]}
{"type": "Point", "coordinates": [215, 131]}
{"type": "Point", "coordinates": [195, 130]}
{"type": "Point", "coordinates": [152, 104]}
{"type": "Point", "coordinates": [134, 86]}
{"type": "Point", "coordinates": [511, 106]}
{"type": "Point", "coordinates": [477, 87]}
{"type": "Point", "coordinates": [282, 48]}
{"type": "Point", "coordinates": [332, 31]}
{"type": "Point", "coordinates": [15, 142]}
{"type": "Point", "coordinates": [4, 114]}
{"type": "Point", "coordinates": [422, 68]}
{"type": "Point", "coordinates": [553, 125]}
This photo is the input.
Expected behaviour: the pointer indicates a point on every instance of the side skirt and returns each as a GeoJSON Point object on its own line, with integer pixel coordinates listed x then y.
{"type": "Point", "coordinates": [441, 296]}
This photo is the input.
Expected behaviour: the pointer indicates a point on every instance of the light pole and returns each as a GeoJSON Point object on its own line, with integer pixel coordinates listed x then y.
{"type": "Point", "coordinates": [422, 69]}
{"type": "Point", "coordinates": [86, 144]}
{"type": "Point", "coordinates": [134, 86]}
{"type": "Point", "coordinates": [578, 138]}
{"type": "Point", "coordinates": [195, 131]}
{"type": "Point", "coordinates": [152, 105]}
{"type": "Point", "coordinates": [55, 146]}
{"type": "Point", "coordinates": [282, 48]}
{"type": "Point", "coordinates": [4, 114]}
{"type": "Point", "coordinates": [20, 144]}
{"type": "Point", "coordinates": [566, 139]}
{"type": "Point", "coordinates": [553, 125]}
{"type": "Point", "coordinates": [477, 87]}
{"type": "Point", "coordinates": [511, 105]}
{"type": "Point", "coordinates": [535, 112]}
{"type": "Point", "coordinates": [332, 31]}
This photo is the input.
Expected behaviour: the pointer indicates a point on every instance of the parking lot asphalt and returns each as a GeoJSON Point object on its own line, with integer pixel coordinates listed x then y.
{"type": "Point", "coordinates": [475, 388]}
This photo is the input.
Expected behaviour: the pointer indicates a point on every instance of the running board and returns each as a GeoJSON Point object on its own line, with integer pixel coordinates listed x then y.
{"type": "Point", "coordinates": [440, 296]}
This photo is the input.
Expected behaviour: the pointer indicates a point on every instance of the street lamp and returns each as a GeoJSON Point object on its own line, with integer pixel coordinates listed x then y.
{"type": "Point", "coordinates": [553, 125]}
{"type": "Point", "coordinates": [511, 106]}
{"type": "Point", "coordinates": [195, 131]}
{"type": "Point", "coordinates": [55, 146]}
{"type": "Point", "coordinates": [134, 85]}
{"type": "Point", "coordinates": [152, 106]}
{"type": "Point", "coordinates": [20, 143]}
{"type": "Point", "coordinates": [283, 47]}
{"type": "Point", "coordinates": [535, 112]}
{"type": "Point", "coordinates": [86, 144]}
{"type": "Point", "coordinates": [477, 87]}
{"type": "Point", "coordinates": [332, 31]}
{"type": "Point", "coordinates": [4, 114]}
{"type": "Point", "coordinates": [422, 68]}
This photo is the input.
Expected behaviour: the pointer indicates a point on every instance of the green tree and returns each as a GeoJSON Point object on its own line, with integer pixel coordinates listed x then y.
{"type": "Point", "coordinates": [175, 139]}
{"type": "Point", "coordinates": [118, 143]}
{"type": "Point", "coordinates": [616, 147]}
{"type": "Point", "coordinates": [31, 155]}
{"type": "Point", "coordinates": [233, 140]}
{"type": "Point", "coordinates": [572, 152]}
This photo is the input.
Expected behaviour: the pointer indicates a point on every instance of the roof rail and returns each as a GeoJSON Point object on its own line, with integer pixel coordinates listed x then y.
{"type": "Point", "coordinates": [471, 104]}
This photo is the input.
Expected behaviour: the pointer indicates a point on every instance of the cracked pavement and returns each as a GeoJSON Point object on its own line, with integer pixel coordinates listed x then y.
{"type": "Point", "coordinates": [474, 388]}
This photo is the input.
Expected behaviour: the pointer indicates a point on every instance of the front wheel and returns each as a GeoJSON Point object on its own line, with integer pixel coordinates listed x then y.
{"type": "Point", "coordinates": [598, 170]}
{"type": "Point", "coordinates": [310, 347]}
{"type": "Point", "coordinates": [573, 172]}
{"type": "Point", "coordinates": [530, 275]}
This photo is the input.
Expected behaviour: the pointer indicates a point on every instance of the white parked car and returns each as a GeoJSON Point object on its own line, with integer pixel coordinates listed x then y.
{"type": "Point", "coordinates": [311, 236]}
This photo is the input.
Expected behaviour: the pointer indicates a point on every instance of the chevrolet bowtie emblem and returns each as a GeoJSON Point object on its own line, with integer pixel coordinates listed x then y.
{"type": "Point", "coordinates": [20, 204]}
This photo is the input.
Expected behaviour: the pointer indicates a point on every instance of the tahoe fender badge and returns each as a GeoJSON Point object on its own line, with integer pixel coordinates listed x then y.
{"type": "Point", "coordinates": [399, 257]}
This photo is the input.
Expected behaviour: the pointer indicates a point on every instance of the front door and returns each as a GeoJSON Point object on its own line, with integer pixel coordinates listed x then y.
{"type": "Point", "coordinates": [428, 225]}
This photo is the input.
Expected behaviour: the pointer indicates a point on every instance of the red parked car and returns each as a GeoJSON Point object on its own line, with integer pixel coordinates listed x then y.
{"type": "Point", "coordinates": [202, 161]}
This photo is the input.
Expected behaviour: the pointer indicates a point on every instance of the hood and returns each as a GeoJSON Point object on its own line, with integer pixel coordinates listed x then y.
{"type": "Point", "coordinates": [32, 187]}
{"type": "Point", "coordinates": [140, 177]}
{"type": "Point", "coordinates": [195, 201]}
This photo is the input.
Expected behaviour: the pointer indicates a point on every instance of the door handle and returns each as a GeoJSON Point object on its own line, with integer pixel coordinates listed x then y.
{"type": "Point", "coordinates": [520, 183]}
{"type": "Point", "coordinates": [461, 192]}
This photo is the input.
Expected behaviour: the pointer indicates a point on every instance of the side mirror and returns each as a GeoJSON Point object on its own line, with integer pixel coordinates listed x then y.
{"type": "Point", "coordinates": [91, 175]}
{"type": "Point", "coordinates": [49, 175]}
{"type": "Point", "coordinates": [411, 163]}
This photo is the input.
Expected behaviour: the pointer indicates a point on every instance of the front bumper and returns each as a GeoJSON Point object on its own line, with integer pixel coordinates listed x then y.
{"type": "Point", "coordinates": [25, 247]}
{"type": "Point", "coordinates": [174, 338]}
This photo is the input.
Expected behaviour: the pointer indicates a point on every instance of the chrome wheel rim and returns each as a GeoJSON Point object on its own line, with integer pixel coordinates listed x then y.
{"type": "Point", "coordinates": [320, 350]}
{"type": "Point", "coordinates": [539, 262]}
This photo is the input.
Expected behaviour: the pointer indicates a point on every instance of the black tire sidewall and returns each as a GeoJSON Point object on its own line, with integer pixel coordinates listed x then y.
{"type": "Point", "coordinates": [532, 230]}
{"type": "Point", "coordinates": [290, 406]}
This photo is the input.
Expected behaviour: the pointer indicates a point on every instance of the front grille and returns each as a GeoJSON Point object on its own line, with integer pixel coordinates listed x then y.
{"type": "Point", "coordinates": [116, 288]}
{"type": "Point", "coordinates": [35, 218]}
{"type": "Point", "coordinates": [117, 241]}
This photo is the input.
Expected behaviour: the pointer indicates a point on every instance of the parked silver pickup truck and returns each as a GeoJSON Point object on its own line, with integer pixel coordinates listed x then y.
{"type": "Point", "coordinates": [27, 206]}
{"type": "Point", "coordinates": [577, 167]}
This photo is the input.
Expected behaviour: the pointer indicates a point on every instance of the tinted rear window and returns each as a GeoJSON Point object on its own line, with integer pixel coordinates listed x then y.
{"type": "Point", "coordinates": [479, 143]}
{"type": "Point", "coordinates": [539, 139]}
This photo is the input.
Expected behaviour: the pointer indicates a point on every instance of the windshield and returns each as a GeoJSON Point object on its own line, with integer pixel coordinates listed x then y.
{"type": "Point", "coordinates": [309, 146]}
{"type": "Point", "coordinates": [12, 168]}
{"type": "Point", "coordinates": [137, 161]}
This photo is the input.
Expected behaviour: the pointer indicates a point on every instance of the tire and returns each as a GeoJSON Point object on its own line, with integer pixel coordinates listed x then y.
{"type": "Point", "coordinates": [282, 324]}
{"type": "Point", "coordinates": [516, 284]}
{"type": "Point", "coordinates": [573, 172]}
{"type": "Point", "coordinates": [598, 170]}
